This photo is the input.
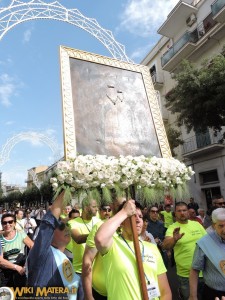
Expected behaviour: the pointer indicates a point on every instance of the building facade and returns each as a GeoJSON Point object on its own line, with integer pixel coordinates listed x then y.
{"type": "Point", "coordinates": [193, 30]}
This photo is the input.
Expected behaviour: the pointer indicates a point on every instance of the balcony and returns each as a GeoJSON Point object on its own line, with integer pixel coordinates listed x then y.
{"type": "Point", "coordinates": [157, 79]}
{"type": "Point", "coordinates": [201, 144]}
{"type": "Point", "coordinates": [179, 51]}
{"type": "Point", "coordinates": [176, 19]}
{"type": "Point", "coordinates": [188, 43]}
{"type": "Point", "coordinates": [218, 11]}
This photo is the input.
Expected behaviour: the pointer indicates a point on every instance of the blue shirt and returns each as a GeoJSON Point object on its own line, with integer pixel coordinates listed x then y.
{"type": "Point", "coordinates": [42, 267]}
{"type": "Point", "coordinates": [211, 275]}
{"type": "Point", "coordinates": [157, 229]}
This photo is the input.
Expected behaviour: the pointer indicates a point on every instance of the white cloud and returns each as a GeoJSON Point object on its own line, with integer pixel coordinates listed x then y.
{"type": "Point", "coordinates": [7, 89]}
{"type": "Point", "coordinates": [141, 52]}
{"type": "Point", "coordinates": [144, 17]}
{"type": "Point", "coordinates": [27, 35]}
{"type": "Point", "coordinates": [8, 123]}
{"type": "Point", "coordinates": [17, 175]}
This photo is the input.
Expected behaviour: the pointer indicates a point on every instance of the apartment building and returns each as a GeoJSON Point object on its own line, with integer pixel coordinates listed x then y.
{"type": "Point", "coordinates": [193, 30]}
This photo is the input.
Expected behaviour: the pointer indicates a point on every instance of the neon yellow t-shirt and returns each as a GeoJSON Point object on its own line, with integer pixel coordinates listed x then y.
{"type": "Point", "coordinates": [168, 218]}
{"type": "Point", "coordinates": [98, 277]}
{"type": "Point", "coordinates": [121, 272]}
{"type": "Point", "coordinates": [184, 248]}
{"type": "Point", "coordinates": [84, 227]}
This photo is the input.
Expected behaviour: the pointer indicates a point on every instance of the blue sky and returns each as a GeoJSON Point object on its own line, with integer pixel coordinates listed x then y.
{"type": "Point", "coordinates": [30, 96]}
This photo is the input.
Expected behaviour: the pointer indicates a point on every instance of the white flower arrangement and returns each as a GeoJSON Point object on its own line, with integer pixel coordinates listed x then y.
{"type": "Point", "coordinates": [101, 173]}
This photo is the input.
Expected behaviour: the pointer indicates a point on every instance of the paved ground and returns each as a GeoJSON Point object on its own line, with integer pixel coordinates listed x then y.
{"type": "Point", "coordinates": [172, 277]}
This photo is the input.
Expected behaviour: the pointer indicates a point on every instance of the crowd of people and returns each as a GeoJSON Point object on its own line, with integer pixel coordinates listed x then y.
{"type": "Point", "coordinates": [89, 252]}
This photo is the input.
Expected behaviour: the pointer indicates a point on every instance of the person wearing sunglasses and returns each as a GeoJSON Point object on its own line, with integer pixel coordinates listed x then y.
{"type": "Point", "coordinates": [217, 202]}
{"type": "Point", "coordinates": [47, 265]}
{"type": "Point", "coordinates": [12, 260]}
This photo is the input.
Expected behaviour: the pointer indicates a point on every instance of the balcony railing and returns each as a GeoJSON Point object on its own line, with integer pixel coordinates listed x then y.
{"type": "Point", "coordinates": [200, 141]}
{"type": "Point", "coordinates": [188, 37]}
{"type": "Point", "coordinates": [157, 77]}
{"type": "Point", "coordinates": [217, 6]}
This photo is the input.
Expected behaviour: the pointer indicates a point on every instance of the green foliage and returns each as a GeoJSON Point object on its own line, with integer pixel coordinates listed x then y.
{"type": "Point", "coordinates": [198, 97]}
{"type": "Point", "coordinates": [173, 136]}
{"type": "Point", "coordinates": [46, 191]}
{"type": "Point", "coordinates": [31, 195]}
{"type": "Point", "coordinates": [14, 197]}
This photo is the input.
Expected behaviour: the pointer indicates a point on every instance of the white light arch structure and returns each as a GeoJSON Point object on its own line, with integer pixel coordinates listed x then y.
{"type": "Point", "coordinates": [20, 11]}
{"type": "Point", "coordinates": [29, 135]}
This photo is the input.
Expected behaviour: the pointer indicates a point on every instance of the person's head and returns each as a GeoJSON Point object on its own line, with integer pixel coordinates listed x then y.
{"type": "Point", "coordinates": [73, 214]}
{"type": "Point", "coordinates": [8, 222]}
{"type": "Point", "coordinates": [218, 220]}
{"type": "Point", "coordinates": [145, 223]}
{"type": "Point", "coordinates": [181, 212]}
{"type": "Point", "coordinates": [192, 213]}
{"type": "Point", "coordinates": [27, 214]}
{"type": "Point", "coordinates": [67, 209]}
{"type": "Point", "coordinates": [89, 208]}
{"type": "Point", "coordinates": [76, 206]}
{"type": "Point", "coordinates": [19, 214]}
{"type": "Point", "coordinates": [154, 213]}
{"type": "Point", "coordinates": [62, 235]}
{"type": "Point", "coordinates": [4, 211]}
{"type": "Point", "coordinates": [126, 224]}
{"type": "Point", "coordinates": [105, 212]}
{"type": "Point", "coordinates": [218, 201]}
{"type": "Point", "coordinates": [117, 201]}
{"type": "Point", "coordinates": [168, 207]}
{"type": "Point", "coordinates": [201, 212]}
{"type": "Point", "coordinates": [191, 200]}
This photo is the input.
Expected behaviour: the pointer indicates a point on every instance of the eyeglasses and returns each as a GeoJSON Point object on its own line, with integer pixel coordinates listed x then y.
{"type": "Point", "coordinates": [7, 222]}
{"type": "Point", "coordinates": [220, 203]}
{"type": "Point", "coordinates": [154, 211]}
{"type": "Point", "coordinates": [106, 209]}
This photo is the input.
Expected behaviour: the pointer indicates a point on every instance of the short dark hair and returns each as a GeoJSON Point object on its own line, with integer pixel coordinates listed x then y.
{"type": "Point", "coordinates": [137, 204]}
{"type": "Point", "coordinates": [180, 203]}
{"type": "Point", "coordinates": [73, 211]}
{"type": "Point", "coordinates": [17, 211]}
{"type": "Point", "coordinates": [7, 215]}
{"type": "Point", "coordinates": [103, 205]}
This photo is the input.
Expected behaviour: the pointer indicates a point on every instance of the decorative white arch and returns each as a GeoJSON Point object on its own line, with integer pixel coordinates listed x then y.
{"type": "Point", "coordinates": [29, 135]}
{"type": "Point", "coordinates": [19, 11]}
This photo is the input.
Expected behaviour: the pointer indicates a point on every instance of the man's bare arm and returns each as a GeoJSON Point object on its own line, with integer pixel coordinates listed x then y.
{"type": "Point", "coordinates": [88, 259]}
{"type": "Point", "coordinates": [77, 237]}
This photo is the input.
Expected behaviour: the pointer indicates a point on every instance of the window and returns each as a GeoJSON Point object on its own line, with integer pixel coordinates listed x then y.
{"type": "Point", "coordinates": [209, 177]}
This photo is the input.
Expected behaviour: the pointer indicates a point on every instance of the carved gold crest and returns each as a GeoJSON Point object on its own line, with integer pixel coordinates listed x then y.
{"type": "Point", "coordinates": [222, 266]}
{"type": "Point", "coordinates": [67, 270]}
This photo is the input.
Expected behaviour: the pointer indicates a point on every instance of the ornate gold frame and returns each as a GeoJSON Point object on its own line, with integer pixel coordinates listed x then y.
{"type": "Point", "coordinates": [68, 110]}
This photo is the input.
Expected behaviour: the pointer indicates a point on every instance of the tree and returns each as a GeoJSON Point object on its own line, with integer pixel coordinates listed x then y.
{"type": "Point", "coordinates": [13, 198]}
{"type": "Point", "coordinates": [31, 195]}
{"type": "Point", "coordinates": [173, 136]}
{"type": "Point", "coordinates": [47, 191]}
{"type": "Point", "coordinates": [198, 97]}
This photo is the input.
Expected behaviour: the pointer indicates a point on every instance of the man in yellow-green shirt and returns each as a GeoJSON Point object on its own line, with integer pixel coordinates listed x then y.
{"type": "Point", "coordinates": [119, 260]}
{"type": "Point", "coordinates": [167, 216]}
{"type": "Point", "coordinates": [182, 237]}
{"type": "Point", "coordinates": [92, 269]}
{"type": "Point", "coordinates": [80, 229]}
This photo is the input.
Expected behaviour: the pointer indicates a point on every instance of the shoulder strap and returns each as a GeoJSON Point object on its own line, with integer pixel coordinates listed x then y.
{"type": "Point", "coordinates": [216, 256]}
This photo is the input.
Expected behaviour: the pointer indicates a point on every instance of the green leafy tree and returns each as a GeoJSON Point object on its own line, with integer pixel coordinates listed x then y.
{"type": "Point", "coordinates": [32, 195]}
{"type": "Point", "coordinates": [46, 191]}
{"type": "Point", "coordinates": [198, 96]}
{"type": "Point", "coordinates": [173, 136]}
{"type": "Point", "coordinates": [13, 198]}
